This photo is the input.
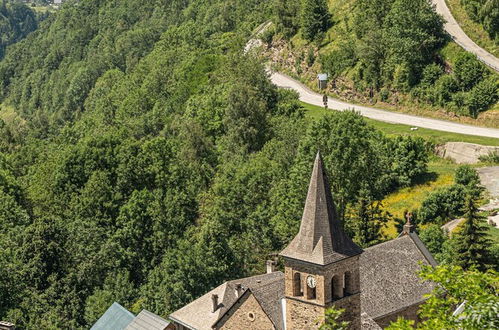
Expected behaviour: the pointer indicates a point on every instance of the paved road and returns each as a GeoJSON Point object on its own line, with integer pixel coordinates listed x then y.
{"type": "Point", "coordinates": [308, 96]}
{"type": "Point", "coordinates": [462, 39]}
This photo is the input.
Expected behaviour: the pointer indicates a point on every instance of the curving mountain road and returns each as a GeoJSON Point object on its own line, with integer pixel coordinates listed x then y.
{"type": "Point", "coordinates": [461, 38]}
{"type": "Point", "coordinates": [308, 96]}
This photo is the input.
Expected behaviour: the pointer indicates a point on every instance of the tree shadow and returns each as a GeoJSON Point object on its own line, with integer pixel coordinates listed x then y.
{"type": "Point", "coordinates": [425, 178]}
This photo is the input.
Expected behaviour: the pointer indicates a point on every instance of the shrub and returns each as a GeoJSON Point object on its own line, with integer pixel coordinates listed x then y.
{"type": "Point", "coordinates": [403, 77]}
{"type": "Point", "coordinates": [384, 94]}
{"type": "Point", "coordinates": [469, 71]}
{"type": "Point", "coordinates": [410, 159]}
{"type": "Point", "coordinates": [310, 57]}
{"type": "Point", "coordinates": [445, 87]}
{"type": "Point", "coordinates": [466, 175]}
{"type": "Point", "coordinates": [268, 35]}
{"type": "Point", "coordinates": [482, 96]}
{"type": "Point", "coordinates": [443, 205]}
{"type": "Point", "coordinates": [431, 73]}
{"type": "Point", "coordinates": [492, 157]}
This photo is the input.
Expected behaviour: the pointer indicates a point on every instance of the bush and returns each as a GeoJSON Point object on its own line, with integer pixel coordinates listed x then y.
{"type": "Point", "coordinates": [431, 73]}
{"type": "Point", "coordinates": [410, 159]}
{"type": "Point", "coordinates": [492, 157]}
{"type": "Point", "coordinates": [403, 77]}
{"type": "Point", "coordinates": [268, 35]}
{"type": "Point", "coordinates": [310, 57]}
{"type": "Point", "coordinates": [384, 94]}
{"type": "Point", "coordinates": [466, 175]}
{"type": "Point", "coordinates": [338, 60]}
{"type": "Point", "coordinates": [482, 96]}
{"type": "Point", "coordinates": [445, 87]}
{"type": "Point", "coordinates": [469, 71]}
{"type": "Point", "coordinates": [443, 205]}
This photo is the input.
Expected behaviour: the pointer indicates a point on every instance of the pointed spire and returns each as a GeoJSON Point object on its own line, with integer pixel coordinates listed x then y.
{"type": "Point", "coordinates": [321, 239]}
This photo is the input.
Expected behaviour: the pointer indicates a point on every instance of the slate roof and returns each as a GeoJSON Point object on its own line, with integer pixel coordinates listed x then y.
{"type": "Point", "coordinates": [147, 321]}
{"type": "Point", "coordinates": [321, 239]}
{"type": "Point", "coordinates": [367, 323]}
{"type": "Point", "coordinates": [268, 289]}
{"type": "Point", "coordinates": [389, 275]}
{"type": "Point", "coordinates": [116, 317]}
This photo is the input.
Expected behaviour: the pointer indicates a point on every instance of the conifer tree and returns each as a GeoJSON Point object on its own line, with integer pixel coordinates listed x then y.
{"type": "Point", "coordinates": [315, 18]}
{"type": "Point", "coordinates": [472, 241]}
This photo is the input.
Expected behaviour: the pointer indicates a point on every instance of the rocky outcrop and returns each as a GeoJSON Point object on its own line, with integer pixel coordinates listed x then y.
{"type": "Point", "coordinates": [464, 153]}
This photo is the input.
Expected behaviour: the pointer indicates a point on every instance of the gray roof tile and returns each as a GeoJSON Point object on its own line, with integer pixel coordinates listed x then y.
{"type": "Point", "coordinates": [321, 239]}
{"type": "Point", "coordinates": [389, 275]}
{"type": "Point", "coordinates": [148, 321]}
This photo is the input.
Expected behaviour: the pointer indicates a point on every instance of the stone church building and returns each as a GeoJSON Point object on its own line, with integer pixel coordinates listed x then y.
{"type": "Point", "coordinates": [323, 268]}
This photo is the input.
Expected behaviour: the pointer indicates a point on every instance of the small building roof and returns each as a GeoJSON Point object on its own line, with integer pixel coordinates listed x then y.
{"type": "Point", "coordinates": [147, 321]}
{"type": "Point", "coordinates": [389, 275]}
{"type": "Point", "coordinates": [321, 239]}
{"type": "Point", "coordinates": [322, 76]}
{"type": "Point", "coordinates": [116, 317]}
{"type": "Point", "coordinates": [268, 289]}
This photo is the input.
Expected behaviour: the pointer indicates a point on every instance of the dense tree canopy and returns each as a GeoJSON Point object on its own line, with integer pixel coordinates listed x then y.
{"type": "Point", "coordinates": [145, 159]}
{"type": "Point", "coordinates": [16, 22]}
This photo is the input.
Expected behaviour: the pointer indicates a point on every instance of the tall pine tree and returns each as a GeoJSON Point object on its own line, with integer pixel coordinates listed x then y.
{"type": "Point", "coordinates": [315, 18]}
{"type": "Point", "coordinates": [472, 240]}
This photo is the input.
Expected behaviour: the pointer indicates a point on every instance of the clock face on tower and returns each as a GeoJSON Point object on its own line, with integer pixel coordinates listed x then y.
{"type": "Point", "coordinates": [311, 281]}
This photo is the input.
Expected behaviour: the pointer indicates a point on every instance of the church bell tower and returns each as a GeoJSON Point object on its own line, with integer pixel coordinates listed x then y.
{"type": "Point", "coordinates": [321, 262]}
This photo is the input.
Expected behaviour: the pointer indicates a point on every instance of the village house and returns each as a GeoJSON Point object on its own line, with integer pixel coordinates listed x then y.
{"type": "Point", "coordinates": [323, 268]}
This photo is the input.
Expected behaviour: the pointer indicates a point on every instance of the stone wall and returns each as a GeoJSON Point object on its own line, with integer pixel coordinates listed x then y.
{"type": "Point", "coordinates": [245, 314]}
{"type": "Point", "coordinates": [300, 315]}
{"type": "Point", "coordinates": [303, 312]}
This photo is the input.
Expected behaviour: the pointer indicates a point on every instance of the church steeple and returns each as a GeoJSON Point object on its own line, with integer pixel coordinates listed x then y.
{"type": "Point", "coordinates": [321, 239]}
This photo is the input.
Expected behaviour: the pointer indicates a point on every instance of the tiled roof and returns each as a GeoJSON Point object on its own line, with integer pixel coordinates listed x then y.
{"type": "Point", "coordinates": [147, 321]}
{"type": "Point", "coordinates": [116, 317]}
{"type": "Point", "coordinates": [389, 275]}
{"type": "Point", "coordinates": [321, 239]}
{"type": "Point", "coordinates": [268, 289]}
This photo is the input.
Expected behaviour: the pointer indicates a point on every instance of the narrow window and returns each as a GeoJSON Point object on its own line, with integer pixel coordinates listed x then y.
{"type": "Point", "coordinates": [310, 293]}
{"type": "Point", "coordinates": [337, 287]}
{"type": "Point", "coordinates": [348, 283]}
{"type": "Point", "coordinates": [297, 288]}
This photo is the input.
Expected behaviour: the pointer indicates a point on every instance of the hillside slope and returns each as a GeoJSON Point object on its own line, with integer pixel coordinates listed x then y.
{"type": "Point", "coordinates": [373, 56]}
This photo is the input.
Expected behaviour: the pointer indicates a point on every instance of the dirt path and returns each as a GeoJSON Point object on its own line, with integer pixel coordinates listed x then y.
{"type": "Point", "coordinates": [310, 97]}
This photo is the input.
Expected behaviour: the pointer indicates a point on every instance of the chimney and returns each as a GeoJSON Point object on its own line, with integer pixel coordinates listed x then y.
{"type": "Point", "coordinates": [270, 266]}
{"type": "Point", "coordinates": [408, 227]}
{"type": "Point", "coordinates": [239, 289]}
{"type": "Point", "coordinates": [4, 325]}
{"type": "Point", "coordinates": [214, 300]}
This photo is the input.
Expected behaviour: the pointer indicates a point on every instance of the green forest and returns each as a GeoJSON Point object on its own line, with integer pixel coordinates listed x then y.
{"type": "Point", "coordinates": [16, 22]}
{"type": "Point", "coordinates": [145, 159]}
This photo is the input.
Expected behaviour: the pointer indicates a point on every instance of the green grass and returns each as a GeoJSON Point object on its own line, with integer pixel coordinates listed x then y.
{"type": "Point", "coordinates": [315, 112]}
{"type": "Point", "coordinates": [494, 234]}
{"type": "Point", "coordinates": [474, 30]}
{"type": "Point", "coordinates": [440, 174]}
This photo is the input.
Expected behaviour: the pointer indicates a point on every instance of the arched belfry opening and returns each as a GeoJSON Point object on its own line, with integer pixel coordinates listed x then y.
{"type": "Point", "coordinates": [297, 285]}
{"type": "Point", "coordinates": [348, 283]}
{"type": "Point", "coordinates": [337, 287]}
